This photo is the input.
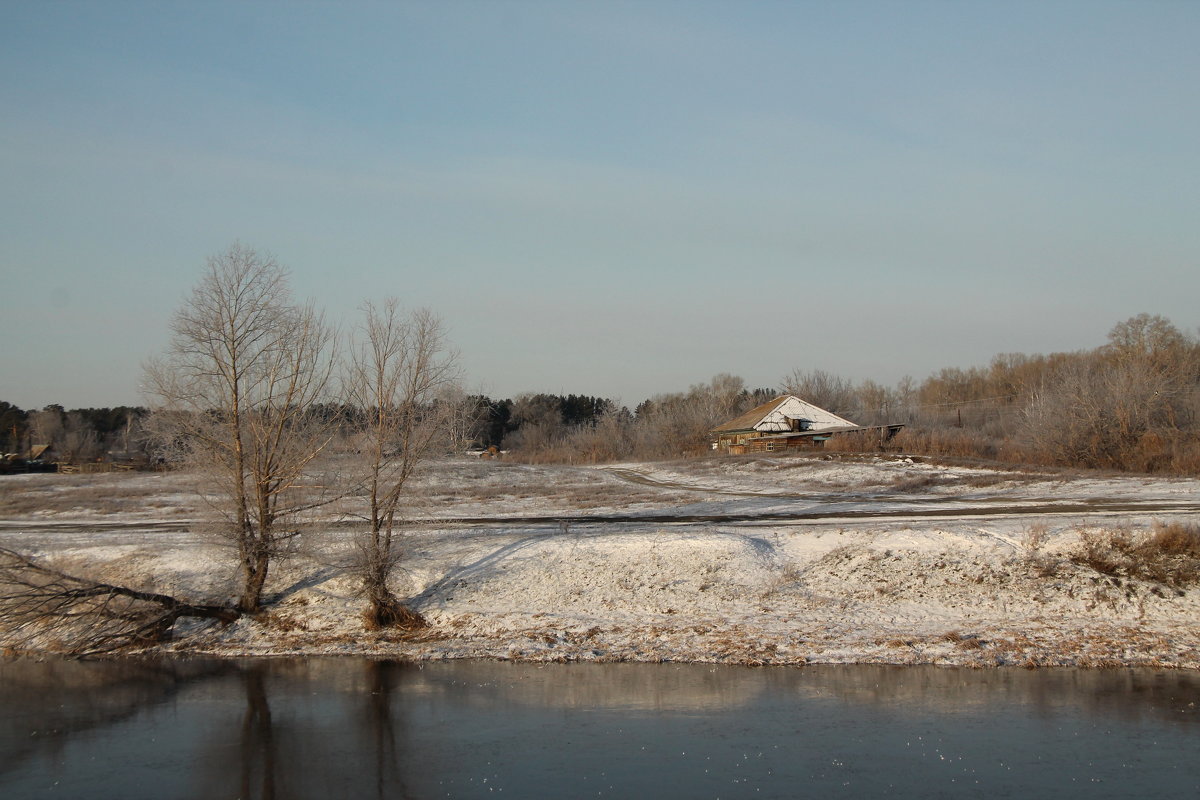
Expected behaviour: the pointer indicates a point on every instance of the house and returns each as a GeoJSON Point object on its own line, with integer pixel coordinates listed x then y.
{"type": "Point", "coordinates": [38, 458]}
{"type": "Point", "coordinates": [786, 423]}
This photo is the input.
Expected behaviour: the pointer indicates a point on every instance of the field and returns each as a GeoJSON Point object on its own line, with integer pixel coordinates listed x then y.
{"type": "Point", "coordinates": [755, 560]}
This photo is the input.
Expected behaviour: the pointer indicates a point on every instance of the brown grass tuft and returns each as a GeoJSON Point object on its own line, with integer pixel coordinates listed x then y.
{"type": "Point", "coordinates": [1176, 539]}
{"type": "Point", "coordinates": [392, 615]}
{"type": "Point", "coordinates": [1170, 555]}
{"type": "Point", "coordinates": [1035, 537]}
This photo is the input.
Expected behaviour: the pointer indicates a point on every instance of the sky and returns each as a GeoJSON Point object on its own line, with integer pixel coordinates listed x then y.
{"type": "Point", "coordinates": [605, 198]}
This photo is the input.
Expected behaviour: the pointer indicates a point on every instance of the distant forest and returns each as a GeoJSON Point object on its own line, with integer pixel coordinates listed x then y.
{"type": "Point", "coordinates": [1132, 403]}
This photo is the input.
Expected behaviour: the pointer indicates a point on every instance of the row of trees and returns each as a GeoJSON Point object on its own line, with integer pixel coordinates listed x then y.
{"type": "Point", "coordinates": [277, 416]}
{"type": "Point", "coordinates": [530, 424]}
{"type": "Point", "coordinates": [1132, 403]}
{"type": "Point", "coordinates": [541, 427]}
{"type": "Point", "coordinates": [254, 394]}
{"type": "Point", "coordinates": [81, 434]}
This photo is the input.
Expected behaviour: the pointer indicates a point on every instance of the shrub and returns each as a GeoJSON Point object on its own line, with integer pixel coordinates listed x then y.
{"type": "Point", "coordinates": [1176, 539]}
{"type": "Point", "coordinates": [1169, 555]}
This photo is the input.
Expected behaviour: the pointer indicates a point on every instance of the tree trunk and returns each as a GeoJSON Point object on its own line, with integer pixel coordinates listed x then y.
{"type": "Point", "coordinates": [254, 571]}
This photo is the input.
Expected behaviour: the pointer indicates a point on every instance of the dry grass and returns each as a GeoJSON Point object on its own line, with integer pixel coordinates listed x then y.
{"type": "Point", "coordinates": [958, 442]}
{"type": "Point", "coordinates": [1035, 538]}
{"type": "Point", "coordinates": [285, 623]}
{"type": "Point", "coordinates": [1033, 542]}
{"type": "Point", "coordinates": [110, 493]}
{"type": "Point", "coordinates": [785, 577]}
{"type": "Point", "coordinates": [1169, 555]}
{"type": "Point", "coordinates": [914, 483]}
{"type": "Point", "coordinates": [929, 480]}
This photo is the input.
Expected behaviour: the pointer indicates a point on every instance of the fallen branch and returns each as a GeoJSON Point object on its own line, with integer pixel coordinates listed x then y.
{"type": "Point", "coordinates": [81, 616]}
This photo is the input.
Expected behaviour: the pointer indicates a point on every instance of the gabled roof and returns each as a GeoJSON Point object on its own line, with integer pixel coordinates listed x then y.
{"type": "Point", "coordinates": [746, 421]}
{"type": "Point", "coordinates": [773, 416]}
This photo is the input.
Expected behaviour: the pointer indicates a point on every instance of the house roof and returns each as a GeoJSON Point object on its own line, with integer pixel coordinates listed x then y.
{"type": "Point", "coordinates": [746, 421]}
{"type": "Point", "coordinates": [770, 415]}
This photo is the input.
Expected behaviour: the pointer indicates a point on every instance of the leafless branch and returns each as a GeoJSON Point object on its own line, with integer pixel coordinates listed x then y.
{"type": "Point", "coordinates": [86, 616]}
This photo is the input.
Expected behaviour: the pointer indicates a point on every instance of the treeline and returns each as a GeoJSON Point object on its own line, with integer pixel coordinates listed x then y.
{"type": "Point", "coordinates": [495, 421]}
{"type": "Point", "coordinates": [538, 427]}
{"type": "Point", "coordinates": [581, 429]}
{"type": "Point", "coordinates": [78, 435]}
{"type": "Point", "coordinates": [1132, 403]}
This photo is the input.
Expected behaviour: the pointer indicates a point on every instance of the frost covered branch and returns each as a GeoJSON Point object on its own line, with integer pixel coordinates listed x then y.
{"type": "Point", "coordinates": [82, 616]}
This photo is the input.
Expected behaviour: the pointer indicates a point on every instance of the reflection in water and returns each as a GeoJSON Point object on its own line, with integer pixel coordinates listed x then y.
{"type": "Point", "coordinates": [381, 726]}
{"type": "Point", "coordinates": [362, 728]}
{"type": "Point", "coordinates": [258, 737]}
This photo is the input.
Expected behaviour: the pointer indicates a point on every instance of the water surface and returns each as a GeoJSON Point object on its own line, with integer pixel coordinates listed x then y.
{"type": "Point", "coordinates": [319, 728]}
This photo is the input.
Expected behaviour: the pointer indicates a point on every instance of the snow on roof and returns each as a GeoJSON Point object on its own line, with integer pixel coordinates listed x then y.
{"type": "Point", "coordinates": [776, 415]}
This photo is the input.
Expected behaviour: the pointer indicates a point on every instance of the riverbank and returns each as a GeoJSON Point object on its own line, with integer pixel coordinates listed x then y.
{"type": "Point", "coordinates": [895, 596]}
{"type": "Point", "coordinates": [754, 561]}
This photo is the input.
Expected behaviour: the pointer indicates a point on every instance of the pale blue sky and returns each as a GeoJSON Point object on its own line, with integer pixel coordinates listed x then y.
{"type": "Point", "coordinates": [616, 199]}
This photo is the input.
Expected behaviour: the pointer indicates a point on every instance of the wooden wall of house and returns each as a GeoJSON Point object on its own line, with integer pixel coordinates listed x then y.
{"type": "Point", "coordinates": [763, 445]}
{"type": "Point", "coordinates": [782, 445]}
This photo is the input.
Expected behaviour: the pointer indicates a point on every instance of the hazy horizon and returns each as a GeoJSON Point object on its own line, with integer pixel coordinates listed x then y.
{"type": "Point", "coordinates": [611, 199]}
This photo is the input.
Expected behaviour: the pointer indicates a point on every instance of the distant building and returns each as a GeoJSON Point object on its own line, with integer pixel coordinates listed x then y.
{"type": "Point", "coordinates": [38, 458]}
{"type": "Point", "coordinates": [786, 423]}
{"type": "Point", "coordinates": [41, 452]}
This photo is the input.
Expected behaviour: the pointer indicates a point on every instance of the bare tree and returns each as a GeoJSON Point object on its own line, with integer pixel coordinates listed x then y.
{"type": "Point", "coordinates": [830, 392]}
{"type": "Point", "coordinates": [678, 424]}
{"type": "Point", "coordinates": [1148, 338]}
{"type": "Point", "coordinates": [79, 441]}
{"type": "Point", "coordinates": [236, 394]}
{"type": "Point", "coordinates": [540, 423]}
{"type": "Point", "coordinates": [1099, 414]}
{"type": "Point", "coordinates": [399, 377]}
{"type": "Point", "coordinates": [46, 426]}
{"type": "Point", "coordinates": [466, 418]}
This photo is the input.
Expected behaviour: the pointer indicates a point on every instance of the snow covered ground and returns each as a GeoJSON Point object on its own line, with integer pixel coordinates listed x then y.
{"type": "Point", "coordinates": [771, 560]}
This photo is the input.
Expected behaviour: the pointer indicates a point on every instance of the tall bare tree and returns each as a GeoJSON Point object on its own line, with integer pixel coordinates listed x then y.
{"type": "Point", "coordinates": [235, 395]}
{"type": "Point", "coordinates": [825, 389]}
{"type": "Point", "coordinates": [46, 426]}
{"type": "Point", "coordinates": [79, 440]}
{"type": "Point", "coordinates": [400, 376]}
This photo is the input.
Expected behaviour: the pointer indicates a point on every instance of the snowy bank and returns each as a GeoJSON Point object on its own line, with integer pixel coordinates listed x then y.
{"type": "Point", "coordinates": [751, 561]}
